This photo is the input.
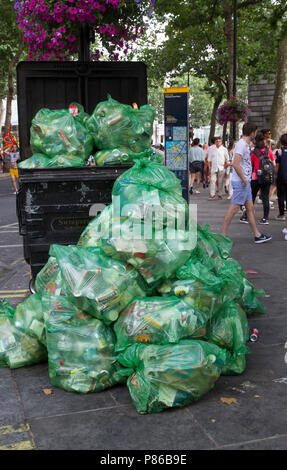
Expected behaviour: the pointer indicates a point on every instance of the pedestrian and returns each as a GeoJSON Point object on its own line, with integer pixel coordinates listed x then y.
{"type": "Point", "coordinates": [13, 158]}
{"type": "Point", "coordinates": [281, 170]}
{"type": "Point", "coordinates": [269, 142]}
{"type": "Point", "coordinates": [228, 173]}
{"type": "Point", "coordinates": [263, 174]}
{"type": "Point", "coordinates": [218, 158]}
{"type": "Point", "coordinates": [196, 163]}
{"type": "Point", "coordinates": [241, 177]}
{"type": "Point", "coordinates": [1, 161]}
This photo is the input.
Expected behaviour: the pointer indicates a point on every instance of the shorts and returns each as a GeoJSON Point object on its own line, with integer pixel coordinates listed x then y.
{"type": "Point", "coordinates": [14, 172]}
{"type": "Point", "coordinates": [241, 195]}
{"type": "Point", "coordinates": [196, 167]}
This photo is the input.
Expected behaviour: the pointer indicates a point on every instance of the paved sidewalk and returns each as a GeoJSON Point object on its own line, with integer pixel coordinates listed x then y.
{"type": "Point", "coordinates": [108, 420]}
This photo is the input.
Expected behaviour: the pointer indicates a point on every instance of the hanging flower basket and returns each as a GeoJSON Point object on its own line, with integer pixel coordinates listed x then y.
{"type": "Point", "coordinates": [232, 111]}
{"type": "Point", "coordinates": [51, 28]}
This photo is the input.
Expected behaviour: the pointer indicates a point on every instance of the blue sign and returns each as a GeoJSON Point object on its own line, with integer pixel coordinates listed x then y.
{"type": "Point", "coordinates": [176, 134]}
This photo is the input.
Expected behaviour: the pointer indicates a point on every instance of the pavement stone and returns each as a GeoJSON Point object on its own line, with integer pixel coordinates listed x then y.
{"type": "Point", "coordinates": [120, 428]}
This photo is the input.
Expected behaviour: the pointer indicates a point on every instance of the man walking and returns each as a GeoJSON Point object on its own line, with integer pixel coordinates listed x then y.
{"type": "Point", "coordinates": [218, 158]}
{"type": "Point", "coordinates": [241, 177]}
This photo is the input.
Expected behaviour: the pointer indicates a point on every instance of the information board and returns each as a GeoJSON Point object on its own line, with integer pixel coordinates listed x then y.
{"type": "Point", "coordinates": [176, 134]}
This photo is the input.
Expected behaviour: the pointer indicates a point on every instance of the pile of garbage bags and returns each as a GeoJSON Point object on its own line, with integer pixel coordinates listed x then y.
{"type": "Point", "coordinates": [117, 134]}
{"type": "Point", "coordinates": [147, 297]}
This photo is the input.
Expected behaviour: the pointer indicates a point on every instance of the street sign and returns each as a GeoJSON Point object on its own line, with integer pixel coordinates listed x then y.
{"type": "Point", "coordinates": [176, 134]}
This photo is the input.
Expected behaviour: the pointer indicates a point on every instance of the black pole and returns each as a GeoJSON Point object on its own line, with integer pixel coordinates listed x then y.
{"type": "Point", "coordinates": [234, 56]}
{"type": "Point", "coordinates": [84, 47]}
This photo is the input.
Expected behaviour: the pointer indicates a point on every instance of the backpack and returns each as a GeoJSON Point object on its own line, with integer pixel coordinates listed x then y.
{"type": "Point", "coordinates": [266, 166]}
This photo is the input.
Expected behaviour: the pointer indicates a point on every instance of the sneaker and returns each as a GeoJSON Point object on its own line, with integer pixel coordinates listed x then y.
{"type": "Point", "coordinates": [263, 221]}
{"type": "Point", "coordinates": [284, 230]}
{"type": "Point", "coordinates": [259, 201]}
{"type": "Point", "coordinates": [280, 217]}
{"type": "Point", "coordinates": [197, 192]}
{"type": "Point", "coordinates": [211, 198]}
{"type": "Point", "coordinates": [262, 238]}
{"type": "Point", "coordinates": [243, 220]}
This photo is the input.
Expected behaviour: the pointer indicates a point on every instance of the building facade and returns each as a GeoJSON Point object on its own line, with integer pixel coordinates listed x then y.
{"type": "Point", "coordinates": [260, 98]}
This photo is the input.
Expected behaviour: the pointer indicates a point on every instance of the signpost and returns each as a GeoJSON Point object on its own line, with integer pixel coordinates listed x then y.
{"type": "Point", "coordinates": [177, 134]}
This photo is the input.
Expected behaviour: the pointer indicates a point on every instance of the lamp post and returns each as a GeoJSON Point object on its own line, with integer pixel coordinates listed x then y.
{"type": "Point", "coordinates": [234, 56]}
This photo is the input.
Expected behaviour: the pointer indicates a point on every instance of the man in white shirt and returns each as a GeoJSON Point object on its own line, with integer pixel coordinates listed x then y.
{"type": "Point", "coordinates": [241, 177]}
{"type": "Point", "coordinates": [218, 158]}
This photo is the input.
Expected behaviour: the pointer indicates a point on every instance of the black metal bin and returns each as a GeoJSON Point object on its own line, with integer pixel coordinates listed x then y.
{"type": "Point", "coordinates": [53, 205]}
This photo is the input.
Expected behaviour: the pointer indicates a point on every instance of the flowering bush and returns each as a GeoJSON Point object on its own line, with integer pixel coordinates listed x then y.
{"type": "Point", "coordinates": [232, 111]}
{"type": "Point", "coordinates": [52, 28]}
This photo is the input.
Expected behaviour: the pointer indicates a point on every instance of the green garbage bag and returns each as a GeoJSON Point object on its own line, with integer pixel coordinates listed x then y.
{"type": "Point", "coordinates": [150, 192]}
{"type": "Point", "coordinates": [120, 156]}
{"type": "Point", "coordinates": [199, 255]}
{"type": "Point", "coordinates": [101, 286]}
{"type": "Point", "coordinates": [42, 161]}
{"type": "Point", "coordinates": [199, 272]}
{"type": "Point", "coordinates": [99, 228]}
{"type": "Point", "coordinates": [228, 328]}
{"type": "Point", "coordinates": [155, 257]}
{"type": "Point", "coordinates": [6, 309]}
{"type": "Point", "coordinates": [196, 294]}
{"type": "Point", "coordinates": [49, 279]}
{"type": "Point", "coordinates": [57, 132]}
{"type": "Point", "coordinates": [172, 375]}
{"type": "Point", "coordinates": [155, 248]}
{"type": "Point", "coordinates": [17, 348]}
{"type": "Point", "coordinates": [38, 160]}
{"type": "Point", "coordinates": [149, 173]}
{"type": "Point", "coordinates": [114, 125]}
{"type": "Point", "coordinates": [249, 300]}
{"type": "Point", "coordinates": [29, 318]}
{"type": "Point", "coordinates": [224, 244]}
{"type": "Point", "coordinates": [158, 320]}
{"type": "Point", "coordinates": [77, 111]}
{"type": "Point", "coordinates": [80, 348]}
{"type": "Point", "coordinates": [206, 241]}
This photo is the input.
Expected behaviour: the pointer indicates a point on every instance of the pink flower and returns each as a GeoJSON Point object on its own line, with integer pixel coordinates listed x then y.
{"type": "Point", "coordinates": [71, 38]}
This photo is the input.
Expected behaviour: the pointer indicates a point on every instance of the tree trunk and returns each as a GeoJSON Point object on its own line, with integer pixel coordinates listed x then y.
{"type": "Point", "coordinates": [10, 94]}
{"type": "Point", "coordinates": [217, 102]}
{"type": "Point", "coordinates": [224, 133]}
{"type": "Point", "coordinates": [279, 105]}
{"type": "Point", "coordinates": [228, 31]}
{"type": "Point", "coordinates": [1, 113]}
